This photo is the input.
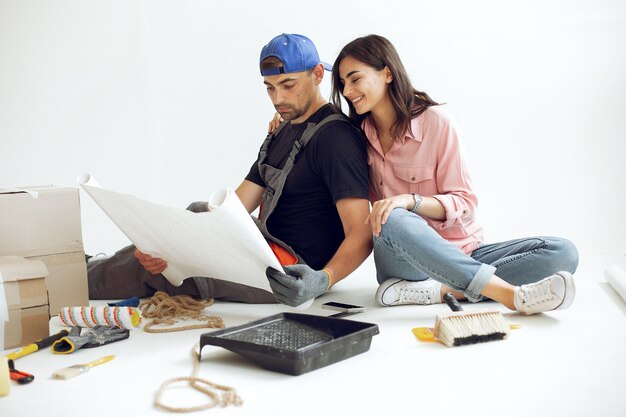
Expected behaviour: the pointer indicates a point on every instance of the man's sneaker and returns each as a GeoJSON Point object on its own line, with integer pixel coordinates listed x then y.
{"type": "Point", "coordinates": [90, 258]}
{"type": "Point", "coordinates": [555, 292]}
{"type": "Point", "coordinates": [395, 292]}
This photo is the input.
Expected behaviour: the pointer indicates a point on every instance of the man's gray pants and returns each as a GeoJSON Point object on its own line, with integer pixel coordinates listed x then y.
{"type": "Point", "coordinates": [121, 276]}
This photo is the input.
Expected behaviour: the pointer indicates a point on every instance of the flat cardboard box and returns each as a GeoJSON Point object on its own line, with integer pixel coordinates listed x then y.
{"type": "Point", "coordinates": [43, 223]}
{"type": "Point", "coordinates": [26, 326]}
{"type": "Point", "coordinates": [67, 280]}
{"type": "Point", "coordinates": [37, 221]}
{"type": "Point", "coordinates": [24, 310]}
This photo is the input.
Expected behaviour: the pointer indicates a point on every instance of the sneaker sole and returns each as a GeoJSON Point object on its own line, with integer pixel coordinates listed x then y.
{"type": "Point", "coordinates": [570, 290]}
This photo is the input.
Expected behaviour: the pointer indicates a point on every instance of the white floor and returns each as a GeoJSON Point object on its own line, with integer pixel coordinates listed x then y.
{"type": "Point", "coordinates": [569, 363]}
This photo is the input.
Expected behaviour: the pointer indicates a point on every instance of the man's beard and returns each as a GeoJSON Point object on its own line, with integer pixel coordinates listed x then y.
{"type": "Point", "coordinates": [293, 113]}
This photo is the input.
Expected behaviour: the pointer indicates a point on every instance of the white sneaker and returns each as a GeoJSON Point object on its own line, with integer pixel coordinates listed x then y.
{"type": "Point", "coordinates": [555, 292]}
{"type": "Point", "coordinates": [395, 292]}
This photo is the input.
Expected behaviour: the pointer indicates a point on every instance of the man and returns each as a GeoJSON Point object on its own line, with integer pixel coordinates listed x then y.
{"type": "Point", "coordinates": [310, 181]}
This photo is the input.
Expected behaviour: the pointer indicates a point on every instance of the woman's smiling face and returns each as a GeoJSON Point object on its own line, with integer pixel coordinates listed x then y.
{"type": "Point", "coordinates": [362, 85]}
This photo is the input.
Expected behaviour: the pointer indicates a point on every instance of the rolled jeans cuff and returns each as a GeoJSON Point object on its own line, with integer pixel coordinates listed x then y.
{"type": "Point", "coordinates": [480, 281]}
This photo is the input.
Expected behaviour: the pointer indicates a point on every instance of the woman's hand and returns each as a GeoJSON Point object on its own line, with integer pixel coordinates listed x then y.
{"type": "Point", "coordinates": [276, 121]}
{"type": "Point", "coordinates": [153, 265]}
{"type": "Point", "coordinates": [381, 210]}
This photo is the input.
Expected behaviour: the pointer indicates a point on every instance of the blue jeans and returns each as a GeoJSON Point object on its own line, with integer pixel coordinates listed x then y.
{"type": "Point", "coordinates": [410, 249]}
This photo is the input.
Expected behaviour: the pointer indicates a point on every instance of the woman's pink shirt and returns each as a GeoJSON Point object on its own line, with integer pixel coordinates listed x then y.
{"type": "Point", "coordinates": [428, 162]}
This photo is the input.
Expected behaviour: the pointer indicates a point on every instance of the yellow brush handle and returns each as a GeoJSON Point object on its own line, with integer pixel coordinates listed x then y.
{"type": "Point", "coordinates": [100, 361]}
{"type": "Point", "coordinates": [425, 334]}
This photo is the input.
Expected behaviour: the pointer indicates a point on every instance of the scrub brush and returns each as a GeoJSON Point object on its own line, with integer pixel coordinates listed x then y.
{"type": "Point", "coordinates": [464, 328]}
{"type": "Point", "coordinates": [75, 370]}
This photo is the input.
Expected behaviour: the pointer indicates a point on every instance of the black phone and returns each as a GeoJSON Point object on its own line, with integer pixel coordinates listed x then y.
{"type": "Point", "coordinates": [348, 308]}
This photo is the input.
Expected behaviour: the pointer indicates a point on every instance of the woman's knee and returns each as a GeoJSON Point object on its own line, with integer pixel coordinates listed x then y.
{"type": "Point", "coordinates": [400, 223]}
{"type": "Point", "coordinates": [566, 254]}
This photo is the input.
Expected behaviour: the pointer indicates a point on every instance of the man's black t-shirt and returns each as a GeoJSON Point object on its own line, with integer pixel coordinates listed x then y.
{"type": "Point", "coordinates": [332, 166]}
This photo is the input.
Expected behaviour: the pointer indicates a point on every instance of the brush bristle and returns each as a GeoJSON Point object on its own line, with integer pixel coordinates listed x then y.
{"type": "Point", "coordinates": [463, 328]}
{"type": "Point", "coordinates": [70, 372]}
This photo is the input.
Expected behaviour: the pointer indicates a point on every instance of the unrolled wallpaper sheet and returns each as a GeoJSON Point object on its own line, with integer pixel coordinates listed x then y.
{"type": "Point", "coordinates": [616, 277]}
{"type": "Point", "coordinates": [223, 243]}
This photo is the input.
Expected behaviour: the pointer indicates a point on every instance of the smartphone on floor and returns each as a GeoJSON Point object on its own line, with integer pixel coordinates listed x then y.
{"type": "Point", "coordinates": [343, 307]}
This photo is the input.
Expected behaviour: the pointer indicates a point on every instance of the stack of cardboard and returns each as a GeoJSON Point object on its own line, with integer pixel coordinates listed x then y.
{"type": "Point", "coordinates": [43, 223]}
{"type": "Point", "coordinates": [24, 307]}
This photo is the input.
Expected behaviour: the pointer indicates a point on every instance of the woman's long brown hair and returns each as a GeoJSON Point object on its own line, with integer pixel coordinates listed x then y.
{"type": "Point", "coordinates": [377, 52]}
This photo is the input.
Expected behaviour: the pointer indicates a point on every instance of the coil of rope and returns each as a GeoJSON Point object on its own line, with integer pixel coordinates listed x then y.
{"type": "Point", "coordinates": [165, 309]}
{"type": "Point", "coordinates": [169, 310]}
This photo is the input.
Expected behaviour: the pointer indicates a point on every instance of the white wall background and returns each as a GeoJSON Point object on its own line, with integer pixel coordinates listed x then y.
{"type": "Point", "coordinates": [163, 99]}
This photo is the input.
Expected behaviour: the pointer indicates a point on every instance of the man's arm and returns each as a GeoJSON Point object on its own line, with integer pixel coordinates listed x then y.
{"type": "Point", "coordinates": [357, 243]}
{"type": "Point", "coordinates": [250, 195]}
{"type": "Point", "coordinates": [300, 283]}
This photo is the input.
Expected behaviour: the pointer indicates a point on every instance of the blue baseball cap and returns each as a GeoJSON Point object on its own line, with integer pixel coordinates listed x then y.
{"type": "Point", "coordinates": [296, 52]}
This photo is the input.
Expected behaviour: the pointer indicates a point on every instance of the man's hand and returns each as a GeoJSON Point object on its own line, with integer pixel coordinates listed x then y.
{"type": "Point", "coordinates": [153, 265]}
{"type": "Point", "coordinates": [299, 285]}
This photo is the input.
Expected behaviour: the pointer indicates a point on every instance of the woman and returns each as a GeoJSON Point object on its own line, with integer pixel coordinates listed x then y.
{"type": "Point", "coordinates": [427, 240]}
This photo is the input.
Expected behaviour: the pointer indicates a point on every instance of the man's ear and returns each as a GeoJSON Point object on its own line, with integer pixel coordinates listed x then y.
{"type": "Point", "coordinates": [318, 73]}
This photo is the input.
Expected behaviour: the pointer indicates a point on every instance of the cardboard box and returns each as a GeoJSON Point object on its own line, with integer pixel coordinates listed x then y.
{"type": "Point", "coordinates": [24, 310]}
{"type": "Point", "coordinates": [43, 223]}
{"type": "Point", "coordinates": [66, 280]}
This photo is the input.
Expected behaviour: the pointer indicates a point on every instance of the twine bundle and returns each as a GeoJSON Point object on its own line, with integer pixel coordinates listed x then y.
{"type": "Point", "coordinates": [165, 309]}
{"type": "Point", "coordinates": [221, 395]}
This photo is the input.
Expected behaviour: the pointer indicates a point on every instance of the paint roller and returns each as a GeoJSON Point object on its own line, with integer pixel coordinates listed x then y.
{"type": "Point", "coordinates": [123, 317]}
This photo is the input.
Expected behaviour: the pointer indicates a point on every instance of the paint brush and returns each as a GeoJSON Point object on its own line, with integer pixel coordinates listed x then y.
{"type": "Point", "coordinates": [465, 328]}
{"type": "Point", "coordinates": [75, 370]}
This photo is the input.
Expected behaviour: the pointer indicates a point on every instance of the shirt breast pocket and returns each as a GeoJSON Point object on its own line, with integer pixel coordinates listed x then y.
{"type": "Point", "coordinates": [415, 179]}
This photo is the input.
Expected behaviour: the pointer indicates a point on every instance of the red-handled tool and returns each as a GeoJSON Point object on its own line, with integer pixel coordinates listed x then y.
{"type": "Point", "coordinates": [19, 376]}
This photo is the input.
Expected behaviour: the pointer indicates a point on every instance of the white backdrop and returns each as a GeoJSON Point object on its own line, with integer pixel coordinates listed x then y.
{"type": "Point", "coordinates": [163, 99]}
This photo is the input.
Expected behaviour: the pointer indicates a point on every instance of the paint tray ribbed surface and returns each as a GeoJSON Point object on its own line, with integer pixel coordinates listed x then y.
{"type": "Point", "coordinates": [295, 343]}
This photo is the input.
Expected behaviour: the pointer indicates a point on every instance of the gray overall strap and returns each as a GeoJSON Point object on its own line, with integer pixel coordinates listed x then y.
{"type": "Point", "coordinates": [275, 179]}
{"type": "Point", "coordinates": [268, 140]}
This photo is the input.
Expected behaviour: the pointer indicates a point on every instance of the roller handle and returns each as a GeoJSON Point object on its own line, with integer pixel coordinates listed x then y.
{"type": "Point", "coordinates": [452, 302]}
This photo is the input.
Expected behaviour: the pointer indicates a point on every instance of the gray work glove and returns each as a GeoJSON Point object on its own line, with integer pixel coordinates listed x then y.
{"type": "Point", "coordinates": [94, 337]}
{"type": "Point", "coordinates": [198, 206]}
{"type": "Point", "coordinates": [299, 285]}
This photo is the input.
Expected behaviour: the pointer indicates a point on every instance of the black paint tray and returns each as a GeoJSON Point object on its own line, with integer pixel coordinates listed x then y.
{"type": "Point", "coordinates": [295, 343]}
